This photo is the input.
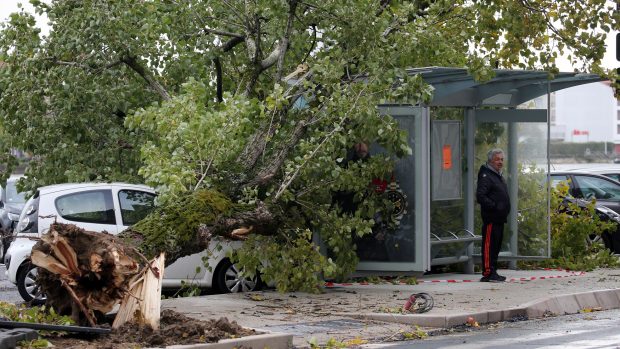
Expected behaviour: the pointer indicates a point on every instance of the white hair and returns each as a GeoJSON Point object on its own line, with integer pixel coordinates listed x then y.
{"type": "Point", "coordinates": [491, 154]}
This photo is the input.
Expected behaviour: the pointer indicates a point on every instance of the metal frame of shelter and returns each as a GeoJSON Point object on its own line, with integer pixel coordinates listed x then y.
{"type": "Point", "coordinates": [494, 100]}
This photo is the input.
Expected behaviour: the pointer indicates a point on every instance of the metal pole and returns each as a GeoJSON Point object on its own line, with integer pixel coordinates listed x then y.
{"type": "Point", "coordinates": [548, 169]}
{"type": "Point", "coordinates": [513, 189]}
{"type": "Point", "coordinates": [423, 182]}
{"type": "Point", "coordinates": [470, 133]}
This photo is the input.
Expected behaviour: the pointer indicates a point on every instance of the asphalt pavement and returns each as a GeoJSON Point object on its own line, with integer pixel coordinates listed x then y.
{"type": "Point", "coordinates": [595, 330]}
{"type": "Point", "coordinates": [8, 291]}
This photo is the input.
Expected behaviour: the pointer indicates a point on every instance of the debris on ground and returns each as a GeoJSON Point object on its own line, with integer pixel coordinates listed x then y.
{"type": "Point", "coordinates": [175, 329]}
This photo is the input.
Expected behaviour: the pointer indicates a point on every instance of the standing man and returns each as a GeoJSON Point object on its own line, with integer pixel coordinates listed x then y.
{"type": "Point", "coordinates": [492, 195]}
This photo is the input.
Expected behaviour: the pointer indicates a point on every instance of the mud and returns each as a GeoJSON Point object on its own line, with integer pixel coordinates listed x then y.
{"type": "Point", "coordinates": [175, 328]}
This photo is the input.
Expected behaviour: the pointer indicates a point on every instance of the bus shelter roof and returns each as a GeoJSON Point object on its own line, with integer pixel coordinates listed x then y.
{"type": "Point", "coordinates": [455, 87]}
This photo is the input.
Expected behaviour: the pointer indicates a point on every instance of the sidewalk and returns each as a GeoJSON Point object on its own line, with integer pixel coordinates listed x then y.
{"type": "Point", "coordinates": [356, 312]}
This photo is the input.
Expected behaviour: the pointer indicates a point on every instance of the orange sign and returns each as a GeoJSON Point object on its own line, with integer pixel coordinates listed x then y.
{"type": "Point", "coordinates": [447, 157]}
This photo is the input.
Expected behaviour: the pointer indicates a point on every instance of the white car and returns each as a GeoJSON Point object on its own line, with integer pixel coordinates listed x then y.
{"type": "Point", "coordinates": [111, 207]}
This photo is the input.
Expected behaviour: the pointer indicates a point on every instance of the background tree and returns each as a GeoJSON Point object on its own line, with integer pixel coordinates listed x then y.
{"type": "Point", "coordinates": [258, 100]}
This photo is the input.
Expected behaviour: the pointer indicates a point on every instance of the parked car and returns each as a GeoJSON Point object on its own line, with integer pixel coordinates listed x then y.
{"type": "Point", "coordinates": [111, 207]}
{"type": "Point", "coordinates": [11, 204]}
{"type": "Point", "coordinates": [610, 239]}
{"type": "Point", "coordinates": [612, 172]}
{"type": "Point", "coordinates": [584, 187]}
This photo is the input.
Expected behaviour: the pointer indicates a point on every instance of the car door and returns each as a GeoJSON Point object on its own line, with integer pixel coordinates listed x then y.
{"type": "Point", "coordinates": [605, 191]}
{"type": "Point", "coordinates": [133, 206]}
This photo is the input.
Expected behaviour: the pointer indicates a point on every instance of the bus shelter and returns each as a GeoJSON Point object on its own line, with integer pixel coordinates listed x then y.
{"type": "Point", "coordinates": [434, 188]}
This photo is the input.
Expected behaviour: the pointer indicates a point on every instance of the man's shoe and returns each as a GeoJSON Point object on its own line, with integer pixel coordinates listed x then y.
{"type": "Point", "coordinates": [492, 278]}
{"type": "Point", "coordinates": [500, 277]}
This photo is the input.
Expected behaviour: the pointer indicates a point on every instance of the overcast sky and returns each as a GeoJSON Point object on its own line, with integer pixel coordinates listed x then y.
{"type": "Point", "coordinates": [9, 6]}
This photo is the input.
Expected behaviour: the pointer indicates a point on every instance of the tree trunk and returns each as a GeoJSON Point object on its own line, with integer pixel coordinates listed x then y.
{"type": "Point", "coordinates": [142, 301]}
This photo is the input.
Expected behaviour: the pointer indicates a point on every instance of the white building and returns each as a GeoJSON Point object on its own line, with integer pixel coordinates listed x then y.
{"type": "Point", "coordinates": [586, 113]}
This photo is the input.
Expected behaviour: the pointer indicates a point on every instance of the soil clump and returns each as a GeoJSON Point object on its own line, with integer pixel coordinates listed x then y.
{"type": "Point", "coordinates": [175, 328]}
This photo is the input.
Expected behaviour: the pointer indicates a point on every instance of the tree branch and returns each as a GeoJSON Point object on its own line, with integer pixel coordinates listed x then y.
{"type": "Point", "coordinates": [218, 80]}
{"type": "Point", "coordinates": [274, 55]}
{"type": "Point", "coordinates": [227, 46]}
{"type": "Point", "coordinates": [383, 4]}
{"type": "Point", "coordinates": [253, 47]}
{"type": "Point", "coordinates": [223, 33]}
{"type": "Point", "coordinates": [153, 83]}
{"type": "Point", "coordinates": [256, 145]}
{"type": "Point", "coordinates": [261, 220]}
{"type": "Point", "coordinates": [314, 39]}
{"type": "Point", "coordinates": [267, 172]}
{"type": "Point", "coordinates": [277, 55]}
{"type": "Point", "coordinates": [230, 44]}
{"type": "Point", "coordinates": [289, 178]}
{"type": "Point", "coordinates": [83, 65]}
{"type": "Point", "coordinates": [286, 39]}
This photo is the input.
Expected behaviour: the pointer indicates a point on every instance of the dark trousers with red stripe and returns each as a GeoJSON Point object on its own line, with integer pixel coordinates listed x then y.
{"type": "Point", "coordinates": [492, 235]}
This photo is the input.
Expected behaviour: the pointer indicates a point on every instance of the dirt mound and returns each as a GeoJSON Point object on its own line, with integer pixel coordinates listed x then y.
{"type": "Point", "coordinates": [175, 328]}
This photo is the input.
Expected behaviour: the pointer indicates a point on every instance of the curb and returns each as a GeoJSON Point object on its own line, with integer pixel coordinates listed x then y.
{"type": "Point", "coordinates": [260, 341]}
{"type": "Point", "coordinates": [548, 306]}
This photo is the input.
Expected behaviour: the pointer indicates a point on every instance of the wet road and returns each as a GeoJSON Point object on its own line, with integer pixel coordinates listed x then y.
{"type": "Point", "coordinates": [8, 291]}
{"type": "Point", "coordinates": [589, 330]}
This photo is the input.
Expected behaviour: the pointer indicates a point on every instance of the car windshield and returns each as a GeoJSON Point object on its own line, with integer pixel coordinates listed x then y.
{"type": "Point", "coordinates": [614, 176]}
{"type": "Point", "coordinates": [12, 196]}
{"type": "Point", "coordinates": [598, 188]}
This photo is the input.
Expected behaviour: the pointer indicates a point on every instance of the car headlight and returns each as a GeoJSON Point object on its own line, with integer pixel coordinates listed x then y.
{"type": "Point", "coordinates": [13, 216]}
{"type": "Point", "coordinates": [24, 224]}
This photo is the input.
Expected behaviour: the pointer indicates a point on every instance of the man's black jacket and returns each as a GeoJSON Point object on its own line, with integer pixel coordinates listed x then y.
{"type": "Point", "coordinates": [492, 195]}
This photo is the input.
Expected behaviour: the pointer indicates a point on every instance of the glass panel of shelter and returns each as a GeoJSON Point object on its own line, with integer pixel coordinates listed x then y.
{"type": "Point", "coordinates": [448, 234]}
{"type": "Point", "coordinates": [402, 248]}
{"type": "Point", "coordinates": [524, 235]}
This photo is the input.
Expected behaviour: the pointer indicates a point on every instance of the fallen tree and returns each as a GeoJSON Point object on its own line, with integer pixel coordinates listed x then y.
{"type": "Point", "coordinates": [86, 274]}
{"type": "Point", "coordinates": [242, 113]}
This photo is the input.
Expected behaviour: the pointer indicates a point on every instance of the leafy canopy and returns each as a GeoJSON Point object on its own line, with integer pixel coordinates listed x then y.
{"type": "Point", "coordinates": [259, 99]}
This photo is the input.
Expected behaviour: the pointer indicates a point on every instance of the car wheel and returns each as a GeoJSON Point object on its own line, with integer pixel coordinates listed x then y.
{"type": "Point", "coordinates": [607, 241]}
{"type": "Point", "coordinates": [27, 284]}
{"type": "Point", "coordinates": [592, 238]}
{"type": "Point", "coordinates": [596, 238]}
{"type": "Point", "coordinates": [228, 279]}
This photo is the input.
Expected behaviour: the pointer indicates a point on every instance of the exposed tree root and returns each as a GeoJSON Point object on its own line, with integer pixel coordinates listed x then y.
{"type": "Point", "coordinates": [83, 274]}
